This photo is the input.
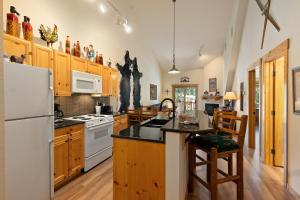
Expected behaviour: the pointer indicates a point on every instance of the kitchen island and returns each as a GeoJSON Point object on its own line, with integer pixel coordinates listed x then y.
{"type": "Point", "coordinates": [152, 162]}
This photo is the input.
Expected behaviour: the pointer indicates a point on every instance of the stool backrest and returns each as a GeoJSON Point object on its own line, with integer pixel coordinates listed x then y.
{"type": "Point", "coordinates": [222, 119]}
{"type": "Point", "coordinates": [227, 123]}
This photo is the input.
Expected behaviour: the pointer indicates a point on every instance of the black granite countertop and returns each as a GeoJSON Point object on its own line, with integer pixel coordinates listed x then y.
{"type": "Point", "coordinates": [115, 114]}
{"type": "Point", "coordinates": [66, 123]}
{"type": "Point", "coordinates": [202, 124]}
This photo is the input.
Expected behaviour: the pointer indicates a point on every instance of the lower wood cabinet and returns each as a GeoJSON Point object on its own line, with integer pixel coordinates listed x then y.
{"type": "Point", "coordinates": [68, 153]}
{"type": "Point", "coordinates": [120, 123]}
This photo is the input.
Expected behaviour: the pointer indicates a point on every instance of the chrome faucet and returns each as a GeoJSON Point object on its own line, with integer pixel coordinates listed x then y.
{"type": "Point", "coordinates": [173, 105]}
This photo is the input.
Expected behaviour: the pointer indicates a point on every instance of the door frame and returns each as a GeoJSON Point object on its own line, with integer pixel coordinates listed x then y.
{"type": "Point", "coordinates": [278, 52]}
{"type": "Point", "coordinates": [252, 109]}
{"type": "Point", "coordinates": [1, 112]}
{"type": "Point", "coordinates": [186, 86]}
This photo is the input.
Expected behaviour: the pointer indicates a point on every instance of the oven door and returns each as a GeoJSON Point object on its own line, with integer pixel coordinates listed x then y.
{"type": "Point", "coordinates": [98, 138]}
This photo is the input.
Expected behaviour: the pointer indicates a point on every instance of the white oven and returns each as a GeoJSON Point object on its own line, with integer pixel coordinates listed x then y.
{"type": "Point", "coordinates": [86, 83]}
{"type": "Point", "coordinates": [98, 144]}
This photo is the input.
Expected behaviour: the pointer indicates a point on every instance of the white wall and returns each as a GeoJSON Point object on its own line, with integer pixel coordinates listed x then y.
{"type": "Point", "coordinates": [82, 21]}
{"type": "Point", "coordinates": [286, 13]}
{"type": "Point", "coordinates": [197, 76]}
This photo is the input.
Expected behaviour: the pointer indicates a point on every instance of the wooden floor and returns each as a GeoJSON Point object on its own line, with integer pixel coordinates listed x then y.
{"type": "Point", "coordinates": [261, 183]}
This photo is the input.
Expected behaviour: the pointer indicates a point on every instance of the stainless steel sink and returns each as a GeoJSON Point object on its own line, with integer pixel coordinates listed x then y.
{"type": "Point", "coordinates": [156, 123]}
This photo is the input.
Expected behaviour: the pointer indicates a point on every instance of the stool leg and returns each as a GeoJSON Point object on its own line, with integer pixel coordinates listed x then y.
{"type": "Point", "coordinates": [230, 167]}
{"type": "Point", "coordinates": [192, 166]}
{"type": "Point", "coordinates": [240, 172]}
{"type": "Point", "coordinates": [208, 168]}
{"type": "Point", "coordinates": [213, 174]}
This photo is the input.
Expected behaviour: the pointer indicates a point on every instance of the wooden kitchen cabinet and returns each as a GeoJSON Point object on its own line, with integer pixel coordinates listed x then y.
{"type": "Point", "coordinates": [42, 56]}
{"type": "Point", "coordinates": [76, 156]}
{"type": "Point", "coordinates": [68, 153]}
{"type": "Point", "coordinates": [61, 160]}
{"type": "Point", "coordinates": [78, 64]}
{"type": "Point", "coordinates": [105, 81]}
{"type": "Point", "coordinates": [94, 68]}
{"type": "Point", "coordinates": [120, 123]}
{"type": "Point", "coordinates": [114, 82]}
{"type": "Point", "coordinates": [62, 74]}
{"type": "Point", "coordinates": [17, 47]}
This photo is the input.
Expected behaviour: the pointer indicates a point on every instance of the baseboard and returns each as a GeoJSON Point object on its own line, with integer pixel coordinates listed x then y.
{"type": "Point", "coordinates": [293, 192]}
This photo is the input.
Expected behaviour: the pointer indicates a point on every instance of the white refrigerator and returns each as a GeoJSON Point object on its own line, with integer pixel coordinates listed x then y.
{"type": "Point", "coordinates": [29, 132]}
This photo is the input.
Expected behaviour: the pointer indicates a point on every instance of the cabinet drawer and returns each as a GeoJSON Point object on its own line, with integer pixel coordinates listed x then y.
{"type": "Point", "coordinates": [75, 128]}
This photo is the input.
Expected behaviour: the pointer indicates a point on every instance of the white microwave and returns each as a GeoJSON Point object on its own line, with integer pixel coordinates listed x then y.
{"type": "Point", "coordinates": [86, 83]}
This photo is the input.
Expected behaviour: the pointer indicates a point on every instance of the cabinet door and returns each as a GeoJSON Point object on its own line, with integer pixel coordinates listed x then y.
{"type": "Point", "coordinates": [17, 47]}
{"type": "Point", "coordinates": [42, 56]}
{"type": "Point", "coordinates": [105, 81]}
{"type": "Point", "coordinates": [62, 74]}
{"type": "Point", "coordinates": [76, 151]}
{"type": "Point", "coordinates": [78, 64]}
{"type": "Point", "coordinates": [94, 68]}
{"type": "Point", "coordinates": [114, 82]}
{"type": "Point", "coordinates": [61, 159]}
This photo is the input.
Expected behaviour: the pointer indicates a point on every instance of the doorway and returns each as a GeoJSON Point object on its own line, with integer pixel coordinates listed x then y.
{"type": "Point", "coordinates": [186, 95]}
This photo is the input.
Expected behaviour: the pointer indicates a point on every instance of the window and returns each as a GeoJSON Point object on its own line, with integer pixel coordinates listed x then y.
{"type": "Point", "coordinates": [187, 95]}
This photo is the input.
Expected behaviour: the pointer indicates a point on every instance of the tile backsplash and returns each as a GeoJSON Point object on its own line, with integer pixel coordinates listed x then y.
{"type": "Point", "coordinates": [78, 104]}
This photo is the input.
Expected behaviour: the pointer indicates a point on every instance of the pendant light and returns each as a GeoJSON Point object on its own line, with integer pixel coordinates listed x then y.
{"type": "Point", "coordinates": [174, 70]}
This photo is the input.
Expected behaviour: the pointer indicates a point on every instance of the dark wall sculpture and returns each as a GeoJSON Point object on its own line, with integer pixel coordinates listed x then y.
{"type": "Point", "coordinates": [125, 83]}
{"type": "Point", "coordinates": [136, 84]}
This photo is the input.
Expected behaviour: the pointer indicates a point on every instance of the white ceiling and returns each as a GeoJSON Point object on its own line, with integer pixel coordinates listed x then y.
{"type": "Point", "coordinates": [199, 22]}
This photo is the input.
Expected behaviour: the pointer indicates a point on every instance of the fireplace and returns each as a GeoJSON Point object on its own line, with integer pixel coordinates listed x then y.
{"type": "Point", "coordinates": [210, 107]}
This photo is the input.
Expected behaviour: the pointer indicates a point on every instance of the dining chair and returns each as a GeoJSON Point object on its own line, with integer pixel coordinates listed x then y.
{"type": "Point", "coordinates": [218, 147]}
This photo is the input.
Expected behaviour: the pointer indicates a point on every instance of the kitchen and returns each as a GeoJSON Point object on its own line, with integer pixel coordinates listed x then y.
{"type": "Point", "coordinates": [109, 99]}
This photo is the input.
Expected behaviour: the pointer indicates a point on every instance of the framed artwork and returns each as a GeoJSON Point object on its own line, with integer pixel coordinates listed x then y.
{"type": "Point", "coordinates": [242, 93]}
{"type": "Point", "coordinates": [296, 89]}
{"type": "Point", "coordinates": [212, 84]}
{"type": "Point", "coordinates": [153, 92]}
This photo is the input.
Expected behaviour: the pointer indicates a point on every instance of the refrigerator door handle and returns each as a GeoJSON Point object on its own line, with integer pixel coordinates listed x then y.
{"type": "Point", "coordinates": [50, 80]}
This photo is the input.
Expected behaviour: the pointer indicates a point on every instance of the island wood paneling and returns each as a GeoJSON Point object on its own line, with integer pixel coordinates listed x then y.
{"type": "Point", "coordinates": [138, 170]}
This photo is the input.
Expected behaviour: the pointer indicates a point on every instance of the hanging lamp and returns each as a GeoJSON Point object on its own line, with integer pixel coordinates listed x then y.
{"type": "Point", "coordinates": [174, 70]}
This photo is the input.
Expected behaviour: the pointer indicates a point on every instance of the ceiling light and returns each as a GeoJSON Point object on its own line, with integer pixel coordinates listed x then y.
{"type": "Point", "coordinates": [127, 28]}
{"type": "Point", "coordinates": [174, 70]}
{"type": "Point", "coordinates": [102, 8]}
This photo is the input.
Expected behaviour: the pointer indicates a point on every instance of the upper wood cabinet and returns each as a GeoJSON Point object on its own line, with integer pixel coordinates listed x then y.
{"type": "Point", "coordinates": [114, 82]}
{"type": "Point", "coordinates": [17, 47]}
{"type": "Point", "coordinates": [94, 68]}
{"type": "Point", "coordinates": [42, 56]}
{"type": "Point", "coordinates": [78, 64]}
{"type": "Point", "coordinates": [62, 74]}
{"type": "Point", "coordinates": [61, 160]}
{"type": "Point", "coordinates": [105, 81]}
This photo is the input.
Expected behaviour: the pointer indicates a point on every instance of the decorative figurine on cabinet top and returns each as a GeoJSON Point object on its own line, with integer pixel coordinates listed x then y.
{"type": "Point", "coordinates": [77, 51]}
{"type": "Point", "coordinates": [27, 29]}
{"type": "Point", "coordinates": [86, 52]}
{"type": "Point", "coordinates": [91, 54]}
{"type": "Point", "coordinates": [68, 45]}
{"type": "Point", "coordinates": [12, 22]}
{"type": "Point", "coordinates": [49, 36]}
{"type": "Point", "coordinates": [109, 62]}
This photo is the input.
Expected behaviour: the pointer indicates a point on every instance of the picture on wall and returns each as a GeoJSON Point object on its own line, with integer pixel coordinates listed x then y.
{"type": "Point", "coordinates": [296, 89]}
{"type": "Point", "coordinates": [212, 84]}
{"type": "Point", "coordinates": [153, 92]}
{"type": "Point", "coordinates": [242, 93]}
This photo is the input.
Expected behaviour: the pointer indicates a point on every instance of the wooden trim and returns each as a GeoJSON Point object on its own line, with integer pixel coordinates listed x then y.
{"type": "Point", "coordinates": [295, 70]}
{"type": "Point", "coordinates": [1, 112]}
{"type": "Point", "coordinates": [251, 108]}
{"type": "Point", "coordinates": [280, 51]}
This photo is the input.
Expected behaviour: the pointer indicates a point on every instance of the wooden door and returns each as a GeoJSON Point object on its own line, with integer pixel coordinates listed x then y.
{"type": "Point", "coordinates": [93, 68]}
{"type": "Point", "coordinates": [78, 64]}
{"type": "Point", "coordinates": [42, 56]}
{"type": "Point", "coordinates": [268, 111]}
{"type": "Point", "coordinates": [252, 107]}
{"type": "Point", "coordinates": [61, 160]}
{"type": "Point", "coordinates": [279, 112]}
{"type": "Point", "coordinates": [62, 74]}
{"type": "Point", "coordinates": [17, 47]}
{"type": "Point", "coordinates": [76, 155]}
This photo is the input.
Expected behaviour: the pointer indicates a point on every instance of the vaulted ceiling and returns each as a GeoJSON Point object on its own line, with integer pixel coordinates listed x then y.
{"type": "Point", "coordinates": [200, 23]}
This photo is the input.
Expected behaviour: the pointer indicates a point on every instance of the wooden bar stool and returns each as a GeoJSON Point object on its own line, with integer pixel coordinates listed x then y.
{"type": "Point", "coordinates": [134, 116]}
{"type": "Point", "coordinates": [218, 147]}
